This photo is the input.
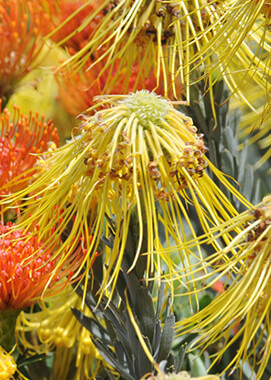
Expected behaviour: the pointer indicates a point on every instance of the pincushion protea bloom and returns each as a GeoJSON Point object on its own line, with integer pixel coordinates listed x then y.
{"type": "Point", "coordinates": [25, 268]}
{"type": "Point", "coordinates": [137, 160]}
{"type": "Point", "coordinates": [78, 87]}
{"type": "Point", "coordinates": [184, 40]}
{"type": "Point", "coordinates": [20, 42]}
{"type": "Point", "coordinates": [246, 300]}
{"type": "Point", "coordinates": [21, 137]}
{"type": "Point", "coordinates": [147, 40]}
{"type": "Point", "coordinates": [57, 329]}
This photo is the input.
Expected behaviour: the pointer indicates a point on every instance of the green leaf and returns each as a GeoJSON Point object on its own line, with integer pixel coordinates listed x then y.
{"type": "Point", "coordinates": [248, 182]}
{"type": "Point", "coordinates": [242, 162]}
{"type": "Point", "coordinates": [230, 141]}
{"type": "Point", "coordinates": [197, 366]}
{"type": "Point", "coordinates": [109, 356]}
{"type": "Point", "coordinates": [180, 359]}
{"type": "Point", "coordinates": [144, 365]}
{"type": "Point", "coordinates": [228, 166]}
{"type": "Point", "coordinates": [145, 312]}
{"type": "Point", "coordinates": [32, 359]}
{"type": "Point", "coordinates": [166, 338]}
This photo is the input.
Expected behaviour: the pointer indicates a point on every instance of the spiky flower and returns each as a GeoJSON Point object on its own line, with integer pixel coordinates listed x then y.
{"type": "Point", "coordinates": [7, 365]}
{"type": "Point", "coordinates": [25, 268]}
{"type": "Point", "coordinates": [246, 299]}
{"type": "Point", "coordinates": [149, 40]}
{"type": "Point", "coordinates": [77, 88]}
{"type": "Point", "coordinates": [184, 41]}
{"type": "Point", "coordinates": [21, 139]}
{"type": "Point", "coordinates": [57, 329]}
{"type": "Point", "coordinates": [20, 42]}
{"type": "Point", "coordinates": [137, 160]}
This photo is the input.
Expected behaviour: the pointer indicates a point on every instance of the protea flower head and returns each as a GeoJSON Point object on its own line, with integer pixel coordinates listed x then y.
{"type": "Point", "coordinates": [8, 366]}
{"type": "Point", "coordinates": [57, 329]}
{"type": "Point", "coordinates": [20, 42]}
{"type": "Point", "coordinates": [149, 40]}
{"type": "Point", "coordinates": [137, 160]}
{"type": "Point", "coordinates": [25, 268]}
{"type": "Point", "coordinates": [77, 88]}
{"type": "Point", "coordinates": [244, 306]}
{"type": "Point", "coordinates": [21, 139]}
{"type": "Point", "coordinates": [184, 41]}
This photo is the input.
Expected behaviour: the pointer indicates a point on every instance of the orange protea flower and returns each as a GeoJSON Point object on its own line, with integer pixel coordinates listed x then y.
{"type": "Point", "coordinates": [71, 15]}
{"type": "Point", "coordinates": [20, 44]}
{"type": "Point", "coordinates": [20, 138]}
{"type": "Point", "coordinates": [25, 268]}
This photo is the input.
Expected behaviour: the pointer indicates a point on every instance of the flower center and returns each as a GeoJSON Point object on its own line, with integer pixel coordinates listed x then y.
{"type": "Point", "coordinates": [148, 107]}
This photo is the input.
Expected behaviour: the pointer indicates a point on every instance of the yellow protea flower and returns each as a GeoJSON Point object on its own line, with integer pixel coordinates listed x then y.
{"type": "Point", "coordinates": [137, 160]}
{"type": "Point", "coordinates": [241, 43]}
{"type": "Point", "coordinates": [58, 330]}
{"type": "Point", "coordinates": [183, 41]}
{"type": "Point", "coordinates": [243, 309]}
{"type": "Point", "coordinates": [8, 366]}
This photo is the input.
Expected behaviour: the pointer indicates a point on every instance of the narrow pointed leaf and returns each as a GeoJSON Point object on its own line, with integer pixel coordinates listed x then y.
{"type": "Point", "coordinates": [166, 338]}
